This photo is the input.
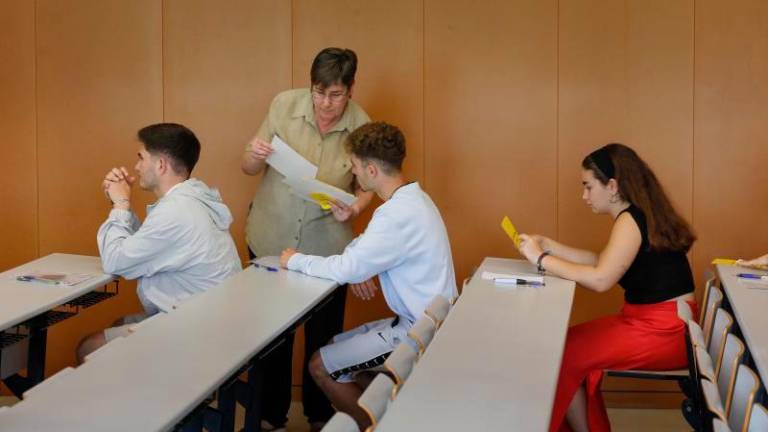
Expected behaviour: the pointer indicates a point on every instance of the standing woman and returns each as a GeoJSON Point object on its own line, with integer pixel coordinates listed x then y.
{"type": "Point", "coordinates": [646, 255]}
{"type": "Point", "coordinates": [315, 122]}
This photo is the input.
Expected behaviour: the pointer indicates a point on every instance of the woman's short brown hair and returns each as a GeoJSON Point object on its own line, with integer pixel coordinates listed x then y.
{"type": "Point", "coordinates": [333, 65]}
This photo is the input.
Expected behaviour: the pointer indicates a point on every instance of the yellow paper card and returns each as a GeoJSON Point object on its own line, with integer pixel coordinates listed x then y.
{"type": "Point", "coordinates": [723, 261]}
{"type": "Point", "coordinates": [511, 231]}
{"type": "Point", "coordinates": [322, 199]}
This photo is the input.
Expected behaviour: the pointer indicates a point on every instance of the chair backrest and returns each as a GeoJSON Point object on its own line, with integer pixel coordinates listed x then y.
{"type": "Point", "coordinates": [684, 311]}
{"type": "Point", "coordinates": [399, 364]}
{"type": "Point", "coordinates": [714, 300]}
{"type": "Point", "coordinates": [719, 426]}
{"type": "Point", "coordinates": [697, 335]}
{"type": "Point", "coordinates": [438, 309]}
{"type": "Point", "coordinates": [704, 364]}
{"type": "Point", "coordinates": [710, 282]}
{"type": "Point", "coordinates": [758, 421]}
{"type": "Point", "coordinates": [744, 393]}
{"type": "Point", "coordinates": [341, 422]}
{"type": "Point", "coordinates": [712, 399]}
{"type": "Point", "coordinates": [732, 354]}
{"type": "Point", "coordinates": [723, 323]}
{"type": "Point", "coordinates": [422, 332]}
{"type": "Point", "coordinates": [375, 399]}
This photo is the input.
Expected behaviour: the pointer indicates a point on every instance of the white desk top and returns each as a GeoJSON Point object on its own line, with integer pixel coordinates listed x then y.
{"type": "Point", "coordinates": [494, 363]}
{"type": "Point", "coordinates": [20, 301]}
{"type": "Point", "coordinates": [151, 379]}
{"type": "Point", "coordinates": [750, 306]}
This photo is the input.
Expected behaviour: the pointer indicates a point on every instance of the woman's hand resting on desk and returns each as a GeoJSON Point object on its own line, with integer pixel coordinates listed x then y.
{"type": "Point", "coordinates": [757, 263]}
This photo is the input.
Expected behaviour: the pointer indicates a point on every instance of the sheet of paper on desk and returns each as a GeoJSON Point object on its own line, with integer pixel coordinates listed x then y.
{"type": "Point", "coordinates": [288, 162]}
{"type": "Point", "coordinates": [320, 193]}
{"type": "Point", "coordinates": [50, 278]}
{"type": "Point", "coordinates": [758, 284]}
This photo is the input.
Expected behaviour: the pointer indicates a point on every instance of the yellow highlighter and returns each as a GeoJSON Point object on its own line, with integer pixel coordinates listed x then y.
{"type": "Point", "coordinates": [511, 231]}
{"type": "Point", "coordinates": [322, 199]}
{"type": "Point", "coordinates": [724, 261]}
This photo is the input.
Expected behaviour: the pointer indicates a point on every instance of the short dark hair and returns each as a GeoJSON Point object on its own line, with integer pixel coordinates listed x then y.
{"type": "Point", "coordinates": [333, 65]}
{"type": "Point", "coordinates": [176, 142]}
{"type": "Point", "coordinates": [379, 141]}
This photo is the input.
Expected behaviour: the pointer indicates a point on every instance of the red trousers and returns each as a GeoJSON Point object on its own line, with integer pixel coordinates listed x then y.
{"type": "Point", "coordinates": [639, 337]}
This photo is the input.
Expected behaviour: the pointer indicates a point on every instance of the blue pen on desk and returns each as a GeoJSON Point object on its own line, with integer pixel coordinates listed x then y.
{"type": "Point", "coordinates": [268, 268]}
{"type": "Point", "coordinates": [753, 276]}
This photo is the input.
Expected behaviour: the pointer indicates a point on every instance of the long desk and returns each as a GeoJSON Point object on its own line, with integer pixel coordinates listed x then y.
{"type": "Point", "coordinates": [154, 378]}
{"type": "Point", "coordinates": [750, 306]}
{"type": "Point", "coordinates": [27, 308]}
{"type": "Point", "coordinates": [494, 363]}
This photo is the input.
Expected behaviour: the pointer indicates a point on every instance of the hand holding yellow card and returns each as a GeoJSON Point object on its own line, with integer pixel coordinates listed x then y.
{"type": "Point", "coordinates": [322, 199]}
{"type": "Point", "coordinates": [511, 231]}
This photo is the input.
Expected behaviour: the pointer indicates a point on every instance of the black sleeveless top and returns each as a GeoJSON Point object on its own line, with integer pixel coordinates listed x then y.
{"type": "Point", "coordinates": [654, 276]}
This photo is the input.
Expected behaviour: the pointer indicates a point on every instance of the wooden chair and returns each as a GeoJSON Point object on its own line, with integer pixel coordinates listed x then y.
{"type": "Point", "coordinates": [341, 422]}
{"type": "Point", "coordinates": [422, 333]}
{"type": "Point", "coordinates": [438, 310]}
{"type": "Point", "coordinates": [714, 300]}
{"type": "Point", "coordinates": [720, 329]}
{"type": "Point", "coordinates": [400, 364]}
{"type": "Point", "coordinates": [375, 399]}
{"type": "Point", "coordinates": [744, 392]}
{"type": "Point", "coordinates": [758, 421]}
{"type": "Point", "coordinates": [732, 354]}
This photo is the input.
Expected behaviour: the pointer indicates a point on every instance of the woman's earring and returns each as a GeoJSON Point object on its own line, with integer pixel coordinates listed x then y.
{"type": "Point", "coordinates": [614, 198]}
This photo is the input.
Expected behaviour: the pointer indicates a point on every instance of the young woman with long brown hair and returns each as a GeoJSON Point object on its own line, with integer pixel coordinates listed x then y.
{"type": "Point", "coordinates": [646, 255]}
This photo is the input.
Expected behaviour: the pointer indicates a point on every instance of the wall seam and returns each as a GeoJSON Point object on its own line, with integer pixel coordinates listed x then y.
{"type": "Point", "coordinates": [423, 94]}
{"type": "Point", "coordinates": [36, 128]}
{"type": "Point", "coordinates": [162, 58]}
{"type": "Point", "coordinates": [557, 119]}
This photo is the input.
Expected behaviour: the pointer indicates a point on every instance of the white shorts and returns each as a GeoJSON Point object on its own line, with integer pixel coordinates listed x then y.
{"type": "Point", "coordinates": [364, 347]}
{"type": "Point", "coordinates": [113, 333]}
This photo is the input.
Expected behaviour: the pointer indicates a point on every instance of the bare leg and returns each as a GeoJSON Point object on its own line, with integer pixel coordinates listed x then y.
{"type": "Point", "coordinates": [88, 345]}
{"type": "Point", "coordinates": [93, 342]}
{"type": "Point", "coordinates": [343, 396]}
{"type": "Point", "coordinates": [577, 411]}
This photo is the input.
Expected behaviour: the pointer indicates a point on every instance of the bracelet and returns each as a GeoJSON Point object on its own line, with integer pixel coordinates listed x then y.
{"type": "Point", "coordinates": [121, 200]}
{"type": "Point", "coordinates": [538, 261]}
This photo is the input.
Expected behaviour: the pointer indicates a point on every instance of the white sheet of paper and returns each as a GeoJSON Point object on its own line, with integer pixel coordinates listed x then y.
{"type": "Point", "coordinates": [288, 162]}
{"type": "Point", "coordinates": [305, 187]}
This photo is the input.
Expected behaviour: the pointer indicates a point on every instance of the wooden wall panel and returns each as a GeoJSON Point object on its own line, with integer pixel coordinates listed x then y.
{"type": "Point", "coordinates": [731, 126]}
{"type": "Point", "coordinates": [625, 76]}
{"type": "Point", "coordinates": [18, 192]}
{"type": "Point", "coordinates": [490, 93]}
{"type": "Point", "coordinates": [223, 64]}
{"type": "Point", "coordinates": [99, 80]}
{"type": "Point", "coordinates": [592, 112]}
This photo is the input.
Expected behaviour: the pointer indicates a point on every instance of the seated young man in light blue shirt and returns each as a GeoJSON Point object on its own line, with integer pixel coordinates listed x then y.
{"type": "Point", "coordinates": [182, 248]}
{"type": "Point", "coordinates": [405, 244]}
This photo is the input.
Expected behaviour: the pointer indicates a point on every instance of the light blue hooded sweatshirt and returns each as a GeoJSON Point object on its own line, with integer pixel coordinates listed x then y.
{"type": "Point", "coordinates": [183, 247]}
